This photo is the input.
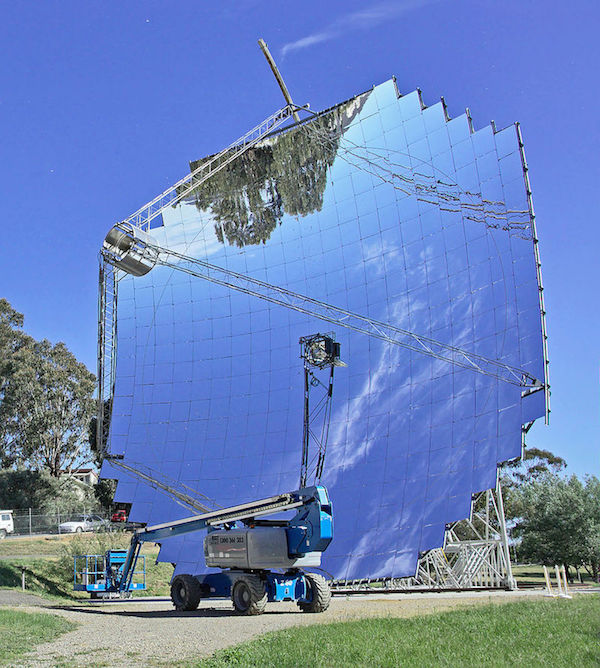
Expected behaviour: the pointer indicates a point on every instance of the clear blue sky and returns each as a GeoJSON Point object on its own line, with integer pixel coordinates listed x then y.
{"type": "Point", "coordinates": [102, 105]}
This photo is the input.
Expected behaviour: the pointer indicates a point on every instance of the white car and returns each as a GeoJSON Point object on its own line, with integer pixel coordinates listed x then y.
{"type": "Point", "coordinates": [83, 523]}
{"type": "Point", "coordinates": [6, 523]}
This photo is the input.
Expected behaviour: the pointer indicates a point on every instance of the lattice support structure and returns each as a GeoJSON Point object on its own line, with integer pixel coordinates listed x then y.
{"type": "Point", "coordinates": [475, 555]}
{"type": "Point", "coordinates": [344, 318]}
{"type": "Point", "coordinates": [107, 336]}
{"type": "Point", "coordinates": [144, 216]}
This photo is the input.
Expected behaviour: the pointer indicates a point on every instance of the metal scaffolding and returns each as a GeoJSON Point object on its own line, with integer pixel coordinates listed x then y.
{"type": "Point", "coordinates": [475, 555]}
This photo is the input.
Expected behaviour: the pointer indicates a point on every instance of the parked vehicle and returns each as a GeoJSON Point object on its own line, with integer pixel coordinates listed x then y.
{"type": "Point", "coordinates": [83, 523]}
{"type": "Point", "coordinates": [6, 523]}
{"type": "Point", "coordinates": [119, 516]}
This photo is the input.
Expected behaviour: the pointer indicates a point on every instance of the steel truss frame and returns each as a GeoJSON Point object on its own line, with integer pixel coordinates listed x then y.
{"type": "Point", "coordinates": [319, 415]}
{"type": "Point", "coordinates": [538, 268]}
{"type": "Point", "coordinates": [184, 495]}
{"type": "Point", "coordinates": [475, 555]}
{"type": "Point", "coordinates": [144, 216]}
{"type": "Point", "coordinates": [107, 341]}
{"type": "Point", "coordinates": [341, 317]}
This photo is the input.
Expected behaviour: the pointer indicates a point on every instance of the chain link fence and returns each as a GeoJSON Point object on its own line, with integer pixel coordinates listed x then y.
{"type": "Point", "coordinates": [33, 521]}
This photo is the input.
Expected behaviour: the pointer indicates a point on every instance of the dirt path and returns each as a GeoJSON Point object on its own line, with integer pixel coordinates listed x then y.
{"type": "Point", "coordinates": [150, 632]}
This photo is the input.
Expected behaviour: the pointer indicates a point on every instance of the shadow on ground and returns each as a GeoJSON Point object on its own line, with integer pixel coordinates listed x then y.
{"type": "Point", "coordinates": [168, 614]}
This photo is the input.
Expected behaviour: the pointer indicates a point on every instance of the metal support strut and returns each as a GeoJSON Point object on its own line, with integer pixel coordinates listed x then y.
{"type": "Point", "coordinates": [319, 352]}
{"type": "Point", "coordinates": [475, 555]}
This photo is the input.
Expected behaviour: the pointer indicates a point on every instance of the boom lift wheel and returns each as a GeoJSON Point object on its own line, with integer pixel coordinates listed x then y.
{"type": "Point", "coordinates": [249, 595]}
{"type": "Point", "coordinates": [186, 592]}
{"type": "Point", "coordinates": [319, 594]}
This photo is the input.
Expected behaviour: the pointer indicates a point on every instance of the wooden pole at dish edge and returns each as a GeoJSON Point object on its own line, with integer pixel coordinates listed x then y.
{"type": "Point", "coordinates": [277, 73]}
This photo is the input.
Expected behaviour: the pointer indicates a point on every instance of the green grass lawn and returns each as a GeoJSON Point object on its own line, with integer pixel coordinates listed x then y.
{"type": "Point", "coordinates": [20, 631]}
{"type": "Point", "coordinates": [47, 546]}
{"type": "Point", "coordinates": [533, 633]}
{"type": "Point", "coordinates": [50, 572]}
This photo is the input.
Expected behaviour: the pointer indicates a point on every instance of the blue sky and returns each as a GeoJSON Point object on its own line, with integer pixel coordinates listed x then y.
{"type": "Point", "coordinates": [102, 105]}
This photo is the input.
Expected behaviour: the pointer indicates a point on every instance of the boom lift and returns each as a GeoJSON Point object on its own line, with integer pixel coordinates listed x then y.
{"type": "Point", "coordinates": [247, 548]}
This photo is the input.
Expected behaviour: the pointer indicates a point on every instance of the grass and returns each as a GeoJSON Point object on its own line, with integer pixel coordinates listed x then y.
{"type": "Point", "coordinates": [20, 631]}
{"type": "Point", "coordinates": [44, 577]}
{"type": "Point", "coordinates": [534, 633]}
{"type": "Point", "coordinates": [50, 572]}
{"type": "Point", "coordinates": [47, 546]}
{"type": "Point", "coordinates": [533, 574]}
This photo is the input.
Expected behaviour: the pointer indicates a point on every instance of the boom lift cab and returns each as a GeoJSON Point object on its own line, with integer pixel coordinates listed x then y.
{"type": "Point", "coordinates": [253, 549]}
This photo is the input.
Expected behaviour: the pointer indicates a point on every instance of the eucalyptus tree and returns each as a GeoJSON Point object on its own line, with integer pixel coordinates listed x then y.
{"type": "Point", "coordinates": [559, 522]}
{"type": "Point", "coordinates": [46, 401]}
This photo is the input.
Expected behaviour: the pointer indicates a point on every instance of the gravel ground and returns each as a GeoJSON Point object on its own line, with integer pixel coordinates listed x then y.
{"type": "Point", "coordinates": [149, 632]}
{"type": "Point", "coordinates": [13, 598]}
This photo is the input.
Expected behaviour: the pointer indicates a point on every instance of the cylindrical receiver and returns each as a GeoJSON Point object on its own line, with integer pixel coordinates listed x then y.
{"type": "Point", "coordinates": [130, 249]}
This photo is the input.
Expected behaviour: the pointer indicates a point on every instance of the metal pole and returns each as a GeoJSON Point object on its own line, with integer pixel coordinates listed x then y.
{"type": "Point", "coordinates": [487, 514]}
{"type": "Point", "coordinates": [306, 428]}
{"type": "Point", "coordinates": [23, 578]}
{"type": "Point", "coordinates": [30, 523]}
{"type": "Point", "coordinates": [564, 574]}
{"type": "Point", "coordinates": [280, 81]}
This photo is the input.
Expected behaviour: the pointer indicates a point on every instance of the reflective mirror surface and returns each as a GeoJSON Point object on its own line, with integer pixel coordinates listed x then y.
{"type": "Point", "coordinates": [378, 206]}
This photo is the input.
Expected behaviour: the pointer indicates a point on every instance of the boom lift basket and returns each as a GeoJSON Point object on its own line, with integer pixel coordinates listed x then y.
{"type": "Point", "coordinates": [101, 573]}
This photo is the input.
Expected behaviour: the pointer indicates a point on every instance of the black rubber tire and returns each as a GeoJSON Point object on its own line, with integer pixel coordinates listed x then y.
{"type": "Point", "coordinates": [249, 596]}
{"type": "Point", "coordinates": [319, 594]}
{"type": "Point", "coordinates": [2, 534]}
{"type": "Point", "coordinates": [78, 530]}
{"type": "Point", "coordinates": [186, 592]}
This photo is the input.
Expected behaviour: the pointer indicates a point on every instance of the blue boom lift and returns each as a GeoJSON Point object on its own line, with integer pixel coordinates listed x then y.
{"type": "Point", "coordinates": [261, 559]}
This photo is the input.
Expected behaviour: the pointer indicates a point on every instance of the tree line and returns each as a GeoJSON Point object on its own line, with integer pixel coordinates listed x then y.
{"type": "Point", "coordinates": [46, 401]}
